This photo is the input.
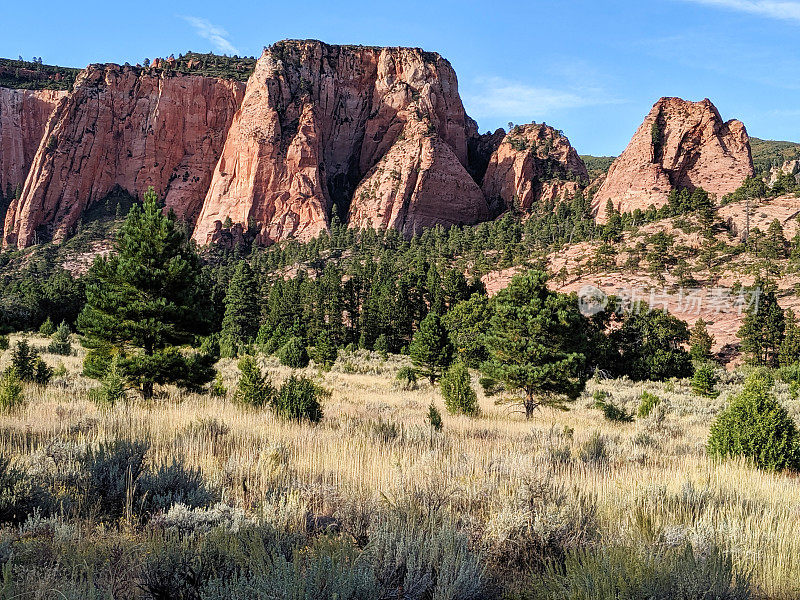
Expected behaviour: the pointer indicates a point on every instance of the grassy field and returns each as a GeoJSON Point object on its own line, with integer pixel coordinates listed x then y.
{"type": "Point", "coordinates": [520, 491]}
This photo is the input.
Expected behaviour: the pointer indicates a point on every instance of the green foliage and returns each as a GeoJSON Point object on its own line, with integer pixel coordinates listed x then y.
{"type": "Point", "coordinates": [536, 343]}
{"type": "Point", "coordinates": [12, 395]}
{"type": "Point", "coordinates": [97, 361]}
{"type": "Point", "coordinates": [434, 417]}
{"type": "Point", "coordinates": [431, 350]}
{"type": "Point", "coordinates": [4, 343]}
{"type": "Point", "coordinates": [466, 323]}
{"type": "Point", "coordinates": [293, 353]}
{"type": "Point", "coordinates": [790, 346]}
{"type": "Point", "coordinates": [763, 329]}
{"type": "Point", "coordinates": [47, 328]}
{"type": "Point", "coordinates": [240, 323]}
{"type": "Point", "coordinates": [28, 365]}
{"type": "Point", "coordinates": [299, 399]}
{"type": "Point", "coordinates": [33, 75]}
{"type": "Point", "coordinates": [597, 165]}
{"type": "Point", "coordinates": [218, 389]}
{"type": "Point", "coordinates": [60, 343]}
{"type": "Point", "coordinates": [112, 387]}
{"type": "Point", "coordinates": [700, 341]}
{"type": "Point", "coordinates": [647, 403]}
{"type": "Point", "coordinates": [459, 397]}
{"type": "Point", "coordinates": [704, 381]}
{"type": "Point", "coordinates": [612, 412]}
{"type": "Point", "coordinates": [19, 495]}
{"type": "Point", "coordinates": [325, 352]}
{"type": "Point", "coordinates": [771, 153]}
{"type": "Point", "coordinates": [147, 295]}
{"type": "Point", "coordinates": [254, 390]}
{"type": "Point", "coordinates": [757, 427]}
{"type": "Point", "coordinates": [407, 377]}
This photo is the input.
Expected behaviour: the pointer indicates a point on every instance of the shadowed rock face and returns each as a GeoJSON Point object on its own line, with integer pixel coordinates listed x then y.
{"type": "Point", "coordinates": [534, 163]}
{"type": "Point", "coordinates": [23, 118]}
{"type": "Point", "coordinates": [124, 127]}
{"type": "Point", "coordinates": [681, 144]}
{"type": "Point", "coordinates": [379, 133]}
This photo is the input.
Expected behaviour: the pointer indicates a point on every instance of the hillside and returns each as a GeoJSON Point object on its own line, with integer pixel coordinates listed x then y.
{"type": "Point", "coordinates": [772, 153]}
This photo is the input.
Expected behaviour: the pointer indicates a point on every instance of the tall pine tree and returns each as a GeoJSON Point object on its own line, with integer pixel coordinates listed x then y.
{"type": "Point", "coordinates": [142, 302]}
{"type": "Point", "coordinates": [240, 323]}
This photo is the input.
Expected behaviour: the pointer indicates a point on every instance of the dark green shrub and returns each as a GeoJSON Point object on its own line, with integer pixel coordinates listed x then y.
{"type": "Point", "coordinates": [23, 360]}
{"type": "Point", "coordinates": [489, 385]}
{"type": "Point", "coordinates": [218, 389]}
{"type": "Point", "coordinates": [97, 361]}
{"type": "Point", "coordinates": [381, 345]}
{"type": "Point", "coordinates": [647, 403]}
{"type": "Point", "coordinates": [254, 390]}
{"type": "Point", "coordinates": [459, 397]}
{"type": "Point", "coordinates": [293, 354]}
{"type": "Point", "coordinates": [60, 343]}
{"type": "Point", "coordinates": [325, 352]}
{"type": "Point", "coordinates": [111, 389]}
{"type": "Point", "coordinates": [4, 342]}
{"type": "Point", "coordinates": [704, 381]}
{"type": "Point", "coordinates": [407, 378]}
{"type": "Point", "coordinates": [612, 412]}
{"type": "Point", "coordinates": [756, 426]}
{"type": "Point", "coordinates": [434, 417]}
{"type": "Point", "coordinates": [299, 399]}
{"type": "Point", "coordinates": [12, 395]}
{"type": "Point", "coordinates": [47, 328]}
{"type": "Point", "coordinates": [210, 345]}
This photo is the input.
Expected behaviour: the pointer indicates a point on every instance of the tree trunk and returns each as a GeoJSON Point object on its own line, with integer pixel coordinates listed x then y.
{"type": "Point", "coordinates": [147, 390]}
{"type": "Point", "coordinates": [530, 405]}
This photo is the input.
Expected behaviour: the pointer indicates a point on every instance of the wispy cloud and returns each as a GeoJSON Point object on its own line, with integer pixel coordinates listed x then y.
{"type": "Point", "coordinates": [495, 97]}
{"type": "Point", "coordinates": [785, 11]}
{"type": "Point", "coordinates": [216, 35]}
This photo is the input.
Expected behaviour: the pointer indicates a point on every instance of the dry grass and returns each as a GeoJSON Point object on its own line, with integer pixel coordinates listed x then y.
{"type": "Point", "coordinates": [655, 482]}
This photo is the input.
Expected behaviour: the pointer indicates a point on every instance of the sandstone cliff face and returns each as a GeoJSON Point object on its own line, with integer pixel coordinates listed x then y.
{"type": "Point", "coordinates": [380, 133]}
{"type": "Point", "coordinates": [122, 126]}
{"type": "Point", "coordinates": [23, 117]}
{"type": "Point", "coordinates": [534, 163]}
{"type": "Point", "coordinates": [680, 144]}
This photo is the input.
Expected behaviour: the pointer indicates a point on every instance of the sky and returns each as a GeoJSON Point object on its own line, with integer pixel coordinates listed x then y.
{"type": "Point", "coordinates": [592, 69]}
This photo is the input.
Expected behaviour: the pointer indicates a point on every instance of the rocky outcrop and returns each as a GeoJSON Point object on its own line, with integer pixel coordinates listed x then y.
{"type": "Point", "coordinates": [378, 133]}
{"type": "Point", "coordinates": [23, 117]}
{"type": "Point", "coordinates": [789, 167]}
{"type": "Point", "coordinates": [129, 128]}
{"type": "Point", "coordinates": [681, 144]}
{"type": "Point", "coordinates": [534, 163]}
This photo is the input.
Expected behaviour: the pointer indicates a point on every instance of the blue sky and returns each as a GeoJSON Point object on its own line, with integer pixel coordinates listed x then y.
{"type": "Point", "coordinates": [592, 69]}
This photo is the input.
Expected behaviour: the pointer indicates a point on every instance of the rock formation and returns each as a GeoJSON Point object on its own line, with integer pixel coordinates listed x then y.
{"type": "Point", "coordinates": [534, 163]}
{"type": "Point", "coordinates": [379, 133]}
{"type": "Point", "coordinates": [129, 128]}
{"type": "Point", "coordinates": [681, 144]}
{"type": "Point", "coordinates": [23, 117]}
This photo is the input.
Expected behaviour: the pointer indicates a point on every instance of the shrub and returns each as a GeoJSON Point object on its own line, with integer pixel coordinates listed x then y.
{"type": "Point", "coordinates": [704, 381]}
{"type": "Point", "coordinates": [299, 399]}
{"type": "Point", "coordinates": [647, 403]}
{"type": "Point", "coordinates": [12, 396]}
{"type": "Point", "coordinates": [459, 397]}
{"type": "Point", "coordinates": [112, 387]}
{"type": "Point", "coordinates": [293, 353]}
{"type": "Point", "coordinates": [254, 390]}
{"type": "Point", "coordinates": [757, 427]}
{"type": "Point", "coordinates": [434, 417]}
{"type": "Point", "coordinates": [4, 342]}
{"type": "Point", "coordinates": [594, 449]}
{"type": "Point", "coordinates": [19, 496]}
{"type": "Point", "coordinates": [647, 574]}
{"type": "Point", "coordinates": [381, 345]}
{"type": "Point", "coordinates": [407, 377]}
{"type": "Point", "coordinates": [489, 385]}
{"type": "Point", "coordinates": [60, 343]}
{"type": "Point", "coordinates": [172, 484]}
{"type": "Point", "coordinates": [97, 361]}
{"type": "Point", "coordinates": [210, 345]}
{"type": "Point", "coordinates": [612, 412]}
{"type": "Point", "coordinates": [325, 352]}
{"type": "Point", "coordinates": [47, 328]}
{"type": "Point", "coordinates": [218, 389]}
{"type": "Point", "coordinates": [23, 360]}
{"type": "Point", "coordinates": [112, 469]}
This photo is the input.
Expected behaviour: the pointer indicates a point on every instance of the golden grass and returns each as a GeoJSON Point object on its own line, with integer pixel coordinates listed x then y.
{"type": "Point", "coordinates": [657, 479]}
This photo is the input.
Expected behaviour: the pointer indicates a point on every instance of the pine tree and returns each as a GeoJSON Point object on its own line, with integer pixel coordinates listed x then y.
{"type": "Point", "coordinates": [60, 343]}
{"type": "Point", "coordinates": [790, 346]}
{"type": "Point", "coordinates": [430, 350]}
{"type": "Point", "coordinates": [47, 327]}
{"type": "Point", "coordinates": [254, 390]}
{"type": "Point", "coordinates": [143, 300]}
{"type": "Point", "coordinates": [459, 397]}
{"type": "Point", "coordinates": [536, 343]}
{"type": "Point", "coordinates": [700, 341]}
{"type": "Point", "coordinates": [762, 330]}
{"type": "Point", "coordinates": [240, 323]}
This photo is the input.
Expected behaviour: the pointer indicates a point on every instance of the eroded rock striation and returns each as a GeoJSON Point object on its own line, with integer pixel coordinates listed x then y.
{"type": "Point", "coordinates": [534, 163]}
{"type": "Point", "coordinates": [23, 118]}
{"type": "Point", "coordinates": [681, 144]}
{"type": "Point", "coordinates": [378, 133]}
{"type": "Point", "coordinates": [129, 128]}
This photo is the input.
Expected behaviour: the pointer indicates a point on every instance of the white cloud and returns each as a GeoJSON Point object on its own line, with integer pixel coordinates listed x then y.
{"type": "Point", "coordinates": [785, 11]}
{"type": "Point", "coordinates": [216, 35]}
{"type": "Point", "coordinates": [494, 97]}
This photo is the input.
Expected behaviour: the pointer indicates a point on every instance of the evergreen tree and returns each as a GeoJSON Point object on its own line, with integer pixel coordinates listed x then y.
{"type": "Point", "coordinates": [790, 346]}
{"type": "Point", "coordinates": [700, 341]}
{"type": "Point", "coordinates": [143, 299]}
{"type": "Point", "coordinates": [431, 351]}
{"type": "Point", "coordinates": [253, 390]}
{"type": "Point", "coordinates": [47, 327]}
{"type": "Point", "coordinates": [60, 343]}
{"type": "Point", "coordinates": [466, 324]}
{"type": "Point", "coordinates": [240, 323]}
{"type": "Point", "coordinates": [536, 343]}
{"type": "Point", "coordinates": [459, 397]}
{"type": "Point", "coordinates": [762, 330]}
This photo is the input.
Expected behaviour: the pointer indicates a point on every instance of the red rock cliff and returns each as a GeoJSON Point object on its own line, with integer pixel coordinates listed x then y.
{"type": "Point", "coordinates": [23, 117]}
{"type": "Point", "coordinates": [126, 127]}
{"type": "Point", "coordinates": [378, 132]}
{"type": "Point", "coordinates": [680, 144]}
{"type": "Point", "coordinates": [534, 163]}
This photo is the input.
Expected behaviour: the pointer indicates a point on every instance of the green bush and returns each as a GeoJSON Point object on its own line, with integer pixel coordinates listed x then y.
{"type": "Point", "coordinates": [60, 343]}
{"type": "Point", "coordinates": [612, 412]}
{"type": "Point", "coordinates": [647, 403]}
{"type": "Point", "coordinates": [4, 342]}
{"type": "Point", "coordinates": [218, 389]}
{"type": "Point", "coordinates": [299, 399]}
{"type": "Point", "coordinates": [646, 574]}
{"type": "Point", "coordinates": [325, 352]}
{"type": "Point", "coordinates": [293, 354]}
{"type": "Point", "coordinates": [434, 417]}
{"type": "Point", "coordinates": [254, 390]}
{"type": "Point", "coordinates": [459, 397]}
{"type": "Point", "coordinates": [757, 427]}
{"type": "Point", "coordinates": [12, 396]}
{"type": "Point", "coordinates": [407, 377]}
{"type": "Point", "coordinates": [704, 381]}
{"type": "Point", "coordinates": [47, 328]}
{"type": "Point", "coordinates": [97, 362]}
{"type": "Point", "coordinates": [112, 387]}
